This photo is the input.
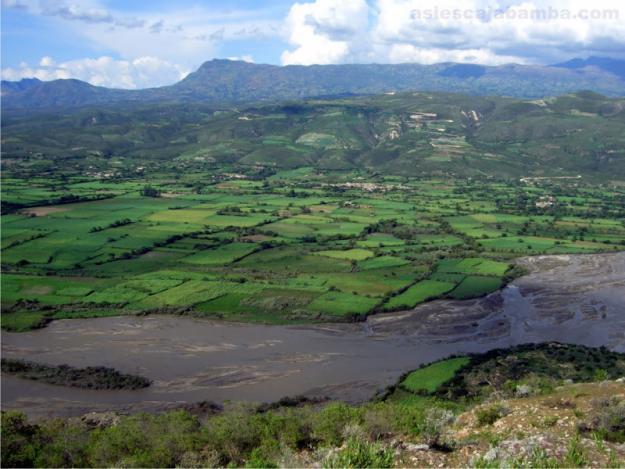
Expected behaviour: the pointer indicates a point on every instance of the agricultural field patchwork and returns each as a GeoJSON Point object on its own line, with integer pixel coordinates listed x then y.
{"type": "Point", "coordinates": [252, 243]}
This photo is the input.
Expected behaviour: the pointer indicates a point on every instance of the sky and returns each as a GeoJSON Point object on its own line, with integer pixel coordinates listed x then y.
{"type": "Point", "coordinates": [145, 43]}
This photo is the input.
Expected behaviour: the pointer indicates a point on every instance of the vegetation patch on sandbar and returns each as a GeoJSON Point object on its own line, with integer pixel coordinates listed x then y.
{"type": "Point", "coordinates": [91, 377]}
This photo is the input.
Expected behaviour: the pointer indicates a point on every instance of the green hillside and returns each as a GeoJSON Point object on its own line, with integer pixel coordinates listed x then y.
{"type": "Point", "coordinates": [405, 134]}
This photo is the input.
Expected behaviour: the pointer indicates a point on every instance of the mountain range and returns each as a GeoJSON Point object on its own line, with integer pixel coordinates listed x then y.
{"type": "Point", "coordinates": [229, 82]}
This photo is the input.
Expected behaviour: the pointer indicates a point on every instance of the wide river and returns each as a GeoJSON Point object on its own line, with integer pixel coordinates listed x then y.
{"type": "Point", "coordinates": [578, 299]}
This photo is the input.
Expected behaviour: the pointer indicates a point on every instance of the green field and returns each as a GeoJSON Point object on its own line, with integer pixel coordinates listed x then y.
{"type": "Point", "coordinates": [432, 376]}
{"type": "Point", "coordinates": [418, 293]}
{"type": "Point", "coordinates": [473, 286]}
{"type": "Point", "coordinates": [279, 246]}
{"type": "Point", "coordinates": [350, 254]}
{"type": "Point", "coordinates": [222, 255]}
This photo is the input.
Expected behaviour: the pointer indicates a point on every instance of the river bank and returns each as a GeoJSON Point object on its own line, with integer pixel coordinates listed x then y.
{"type": "Point", "coordinates": [577, 299]}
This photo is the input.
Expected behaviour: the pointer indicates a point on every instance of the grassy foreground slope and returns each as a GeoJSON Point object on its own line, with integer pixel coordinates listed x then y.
{"type": "Point", "coordinates": [535, 419]}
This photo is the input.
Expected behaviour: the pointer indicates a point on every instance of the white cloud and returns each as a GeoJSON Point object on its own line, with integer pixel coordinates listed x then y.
{"type": "Point", "coordinates": [46, 61]}
{"type": "Point", "coordinates": [325, 31]}
{"type": "Point", "coordinates": [87, 11]}
{"type": "Point", "coordinates": [187, 38]}
{"type": "Point", "coordinates": [244, 58]}
{"type": "Point", "coordinates": [402, 53]}
{"type": "Point", "coordinates": [153, 48]}
{"type": "Point", "coordinates": [142, 49]}
{"type": "Point", "coordinates": [106, 71]}
{"type": "Point", "coordinates": [429, 31]}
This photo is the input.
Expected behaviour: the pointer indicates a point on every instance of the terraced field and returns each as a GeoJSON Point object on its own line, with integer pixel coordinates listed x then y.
{"type": "Point", "coordinates": [292, 246]}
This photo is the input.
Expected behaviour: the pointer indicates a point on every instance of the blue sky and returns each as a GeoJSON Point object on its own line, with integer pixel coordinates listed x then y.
{"type": "Point", "coordinates": [137, 44]}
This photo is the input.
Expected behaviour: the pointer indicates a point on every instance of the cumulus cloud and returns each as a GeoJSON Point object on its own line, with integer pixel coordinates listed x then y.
{"type": "Point", "coordinates": [151, 48]}
{"type": "Point", "coordinates": [430, 31]}
{"type": "Point", "coordinates": [179, 40]}
{"type": "Point", "coordinates": [106, 71]}
{"type": "Point", "coordinates": [325, 31]}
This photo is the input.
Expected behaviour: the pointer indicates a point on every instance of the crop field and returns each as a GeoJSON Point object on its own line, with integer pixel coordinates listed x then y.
{"type": "Point", "coordinates": [474, 285]}
{"type": "Point", "coordinates": [430, 377]}
{"type": "Point", "coordinates": [418, 293]}
{"type": "Point", "coordinates": [248, 243]}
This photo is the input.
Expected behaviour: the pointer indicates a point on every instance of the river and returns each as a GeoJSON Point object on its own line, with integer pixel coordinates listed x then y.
{"type": "Point", "coordinates": [578, 299]}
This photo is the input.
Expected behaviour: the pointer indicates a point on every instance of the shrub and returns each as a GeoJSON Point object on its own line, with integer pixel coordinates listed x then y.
{"type": "Point", "coordinates": [359, 452]}
{"type": "Point", "coordinates": [149, 191]}
{"type": "Point", "coordinates": [408, 418]}
{"type": "Point", "coordinates": [257, 460]}
{"type": "Point", "coordinates": [145, 440]}
{"type": "Point", "coordinates": [600, 375]}
{"type": "Point", "coordinates": [608, 420]}
{"type": "Point", "coordinates": [233, 435]}
{"type": "Point", "coordinates": [435, 425]}
{"type": "Point", "coordinates": [203, 458]}
{"type": "Point", "coordinates": [329, 422]}
{"type": "Point", "coordinates": [489, 415]}
{"type": "Point", "coordinates": [66, 445]}
{"type": "Point", "coordinates": [379, 420]}
{"type": "Point", "coordinates": [20, 441]}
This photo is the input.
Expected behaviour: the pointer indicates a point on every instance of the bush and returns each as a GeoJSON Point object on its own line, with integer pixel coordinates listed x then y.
{"type": "Point", "coordinates": [608, 420]}
{"type": "Point", "coordinates": [20, 441]}
{"type": "Point", "coordinates": [379, 420]}
{"type": "Point", "coordinates": [329, 422]}
{"type": "Point", "coordinates": [232, 435]}
{"type": "Point", "coordinates": [149, 191]}
{"type": "Point", "coordinates": [435, 425]}
{"type": "Point", "coordinates": [358, 452]}
{"type": "Point", "coordinates": [406, 418]}
{"type": "Point", "coordinates": [145, 440]}
{"type": "Point", "coordinates": [600, 375]}
{"type": "Point", "coordinates": [66, 445]}
{"type": "Point", "coordinates": [489, 415]}
{"type": "Point", "coordinates": [242, 434]}
{"type": "Point", "coordinates": [257, 460]}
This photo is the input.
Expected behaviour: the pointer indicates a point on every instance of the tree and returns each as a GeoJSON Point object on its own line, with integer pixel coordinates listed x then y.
{"type": "Point", "coordinates": [149, 191]}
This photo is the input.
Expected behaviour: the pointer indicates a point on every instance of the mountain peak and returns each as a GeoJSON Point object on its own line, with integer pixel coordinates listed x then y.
{"type": "Point", "coordinates": [225, 63]}
{"type": "Point", "coordinates": [607, 64]}
{"type": "Point", "coordinates": [9, 88]}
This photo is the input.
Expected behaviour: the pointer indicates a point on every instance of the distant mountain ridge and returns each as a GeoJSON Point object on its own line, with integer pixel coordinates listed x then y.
{"type": "Point", "coordinates": [614, 66]}
{"type": "Point", "coordinates": [227, 81]}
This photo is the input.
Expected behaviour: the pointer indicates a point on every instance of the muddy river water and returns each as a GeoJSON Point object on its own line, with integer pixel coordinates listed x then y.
{"type": "Point", "coordinates": [578, 299]}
